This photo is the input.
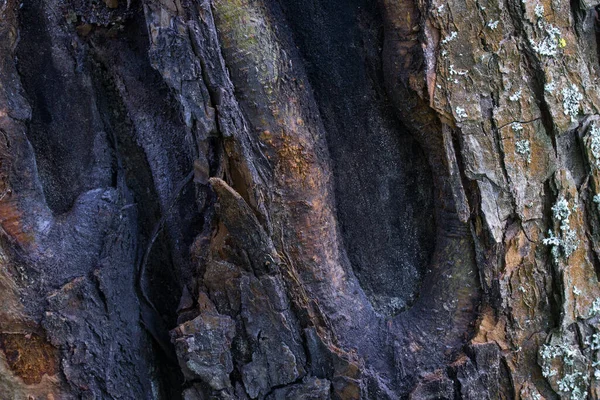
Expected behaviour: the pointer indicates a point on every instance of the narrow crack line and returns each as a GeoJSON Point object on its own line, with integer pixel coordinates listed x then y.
{"type": "Point", "coordinates": [520, 122]}
{"type": "Point", "coordinates": [284, 385]}
{"type": "Point", "coordinates": [501, 160]}
{"type": "Point", "coordinates": [155, 232]}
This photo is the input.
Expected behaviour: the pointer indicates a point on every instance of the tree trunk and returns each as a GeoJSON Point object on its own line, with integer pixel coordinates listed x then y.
{"type": "Point", "coordinates": [283, 199]}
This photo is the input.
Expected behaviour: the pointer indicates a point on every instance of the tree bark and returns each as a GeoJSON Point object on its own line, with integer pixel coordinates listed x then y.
{"type": "Point", "coordinates": [276, 199]}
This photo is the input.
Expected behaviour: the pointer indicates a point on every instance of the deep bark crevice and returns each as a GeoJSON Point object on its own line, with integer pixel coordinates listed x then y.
{"type": "Point", "coordinates": [83, 138]}
{"type": "Point", "coordinates": [383, 184]}
{"type": "Point", "coordinates": [71, 148]}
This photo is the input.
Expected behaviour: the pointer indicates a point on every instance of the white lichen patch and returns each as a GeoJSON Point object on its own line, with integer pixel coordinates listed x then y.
{"type": "Point", "coordinates": [550, 87]}
{"type": "Point", "coordinates": [593, 341]}
{"type": "Point", "coordinates": [550, 43]}
{"type": "Point", "coordinates": [571, 101]}
{"type": "Point", "coordinates": [461, 113]}
{"type": "Point", "coordinates": [594, 144]}
{"type": "Point", "coordinates": [571, 384]}
{"type": "Point", "coordinates": [493, 24]}
{"type": "Point", "coordinates": [516, 96]}
{"type": "Point", "coordinates": [566, 353]}
{"type": "Point", "coordinates": [450, 37]}
{"type": "Point", "coordinates": [562, 364]}
{"type": "Point", "coordinates": [595, 308]}
{"type": "Point", "coordinates": [523, 148]}
{"type": "Point", "coordinates": [561, 210]}
{"type": "Point", "coordinates": [596, 199]}
{"type": "Point", "coordinates": [517, 127]}
{"type": "Point", "coordinates": [461, 72]}
{"type": "Point", "coordinates": [539, 11]}
{"type": "Point", "coordinates": [565, 242]}
{"type": "Point", "coordinates": [596, 366]}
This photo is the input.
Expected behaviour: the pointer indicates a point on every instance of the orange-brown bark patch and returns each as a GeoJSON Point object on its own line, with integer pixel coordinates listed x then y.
{"type": "Point", "coordinates": [11, 223]}
{"type": "Point", "coordinates": [29, 356]}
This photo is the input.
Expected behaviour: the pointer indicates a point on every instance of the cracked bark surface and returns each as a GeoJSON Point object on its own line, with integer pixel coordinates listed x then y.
{"type": "Point", "coordinates": [275, 199]}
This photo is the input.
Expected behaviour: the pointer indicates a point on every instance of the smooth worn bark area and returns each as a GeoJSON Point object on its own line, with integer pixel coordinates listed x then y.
{"type": "Point", "coordinates": [282, 199]}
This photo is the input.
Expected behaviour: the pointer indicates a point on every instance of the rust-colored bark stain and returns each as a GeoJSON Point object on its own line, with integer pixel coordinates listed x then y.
{"type": "Point", "coordinates": [294, 162]}
{"type": "Point", "coordinates": [11, 223]}
{"type": "Point", "coordinates": [29, 356]}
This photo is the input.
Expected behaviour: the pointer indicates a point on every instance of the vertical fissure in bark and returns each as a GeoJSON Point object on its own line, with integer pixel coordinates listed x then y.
{"type": "Point", "coordinates": [382, 180]}
{"type": "Point", "coordinates": [80, 120]}
{"type": "Point", "coordinates": [63, 115]}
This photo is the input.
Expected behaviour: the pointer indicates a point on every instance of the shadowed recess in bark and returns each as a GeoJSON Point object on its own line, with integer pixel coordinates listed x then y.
{"type": "Point", "coordinates": [71, 146]}
{"type": "Point", "coordinates": [383, 185]}
{"type": "Point", "coordinates": [85, 136]}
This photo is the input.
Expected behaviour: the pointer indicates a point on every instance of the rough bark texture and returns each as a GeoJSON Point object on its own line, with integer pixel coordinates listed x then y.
{"type": "Point", "coordinates": [283, 199]}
